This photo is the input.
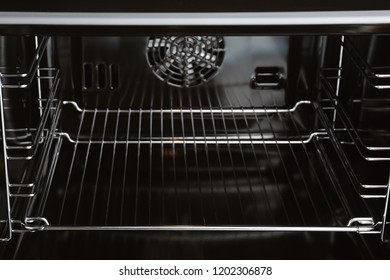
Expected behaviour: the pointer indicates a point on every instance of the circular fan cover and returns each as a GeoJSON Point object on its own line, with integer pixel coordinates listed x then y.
{"type": "Point", "coordinates": [185, 61]}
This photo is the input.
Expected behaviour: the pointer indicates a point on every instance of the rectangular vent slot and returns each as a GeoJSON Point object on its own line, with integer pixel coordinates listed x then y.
{"type": "Point", "coordinates": [114, 76]}
{"type": "Point", "coordinates": [87, 76]}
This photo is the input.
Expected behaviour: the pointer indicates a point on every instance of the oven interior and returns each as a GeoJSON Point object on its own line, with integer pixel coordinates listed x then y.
{"type": "Point", "coordinates": [216, 135]}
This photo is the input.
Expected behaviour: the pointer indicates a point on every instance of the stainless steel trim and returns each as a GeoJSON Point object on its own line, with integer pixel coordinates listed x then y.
{"type": "Point", "coordinates": [197, 19]}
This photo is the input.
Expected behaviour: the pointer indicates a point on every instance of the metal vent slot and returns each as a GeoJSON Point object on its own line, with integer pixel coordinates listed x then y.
{"type": "Point", "coordinates": [114, 76]}
{"type": "Point", "coordinates": [185, 61]}
{"type": "Point", "coordinates": [87, 76]}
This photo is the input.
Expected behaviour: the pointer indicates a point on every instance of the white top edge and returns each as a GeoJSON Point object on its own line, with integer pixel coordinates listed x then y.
{"type": "Point", "coordinates": [196, 19]}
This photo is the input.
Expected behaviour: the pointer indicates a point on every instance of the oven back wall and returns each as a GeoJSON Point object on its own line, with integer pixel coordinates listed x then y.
{"type": "Point", "coordinates": [114, 71]}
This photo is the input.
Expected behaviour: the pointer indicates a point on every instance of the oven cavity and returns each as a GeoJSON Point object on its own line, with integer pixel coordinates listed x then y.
{"type": "Point", "coordinates": [305, 148]}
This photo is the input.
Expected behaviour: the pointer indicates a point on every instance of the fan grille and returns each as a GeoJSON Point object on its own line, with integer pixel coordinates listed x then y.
{"type": "Point", "coordinates": [185, 61]}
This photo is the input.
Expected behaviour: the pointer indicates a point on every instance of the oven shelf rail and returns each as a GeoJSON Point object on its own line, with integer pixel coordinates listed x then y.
{"type": "Point", "coordinates": [29, 152]}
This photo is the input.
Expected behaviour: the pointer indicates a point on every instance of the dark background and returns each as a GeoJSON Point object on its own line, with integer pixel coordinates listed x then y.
{"type": "Point", "coordinates": [192, 6]}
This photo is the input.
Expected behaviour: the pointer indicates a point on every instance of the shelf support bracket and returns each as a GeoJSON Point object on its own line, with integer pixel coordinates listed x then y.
{"type": "Point", "coordinates": [5, 208]}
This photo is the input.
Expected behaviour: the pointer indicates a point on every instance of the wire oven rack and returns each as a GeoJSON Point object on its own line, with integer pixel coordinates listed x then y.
{"type": "Point", "coordinates": [208, 168]}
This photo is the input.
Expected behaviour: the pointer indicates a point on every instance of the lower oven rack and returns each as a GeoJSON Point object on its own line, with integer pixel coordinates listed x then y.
{"type": "Point", "coordinates": [187, 170]}
{"type": "Point", "coordinates": [230, 192]}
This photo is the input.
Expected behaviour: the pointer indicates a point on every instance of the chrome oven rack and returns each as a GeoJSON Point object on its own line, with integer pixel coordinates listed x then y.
{"type": "Point", "coordinates": [211, 168]}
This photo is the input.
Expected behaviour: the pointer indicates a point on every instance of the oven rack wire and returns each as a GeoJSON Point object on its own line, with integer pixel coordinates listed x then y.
{"type": "Point", "coordinates": [238, 191]}
{"type": "Point", "coordinates": [273, 147]}
{"type": "Point", "coordinates": [193, 156]}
